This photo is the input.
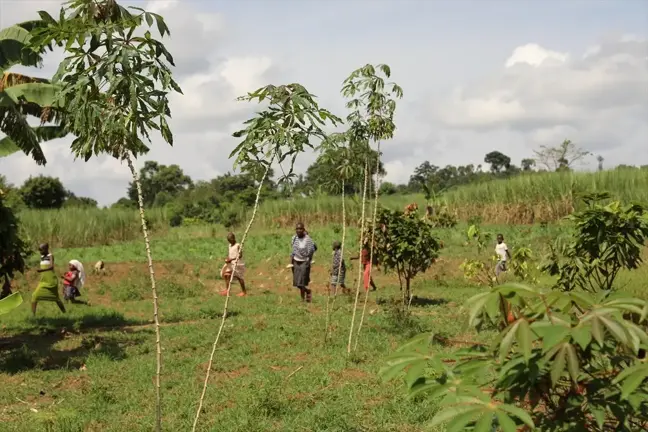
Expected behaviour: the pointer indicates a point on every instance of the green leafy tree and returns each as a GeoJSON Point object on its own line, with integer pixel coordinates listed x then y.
{"type": "Point", "coordinates": [605, 240]}
{"type": "Point", "coordinates": [528, 164]}
{"type": "Point", "coordinates": [336, 159]}
{"type": "Point", "coordinates": [43, 192]}
{"type": "Point", "coordinates": [114, 85]}
{"type": "Point", "coordinates": [11, 195]}
{"type": "Point", "coordinates": [404, 243]}
{"type": "Point", "coordinates": [568, 361]}
{"type": "Point", "coordinates": [498, 161]}
{"type": "Point", "coordinates": [387, 188]}
{"type": "Point", "coordinates": [124, 203]}
{"type": "Point", "coordinates": [289, 125]}
{"type": "Point", "coordinates": [22, 96]}
{"type": "Point", "coordinates": [13, 249]}
{"type": "Point", "coordinates": [156, 179]}
{"type": "Point", "coordinates": [76, 201]}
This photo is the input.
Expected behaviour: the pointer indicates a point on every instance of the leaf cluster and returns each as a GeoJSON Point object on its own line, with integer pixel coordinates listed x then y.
{"type": "Point", "coordinates": [568, 361]}
{"type": "Point", "coordinates": [372, 102]}
{"type": "Point", "coordinates": [283, 130]}
{"type": "Point", "coordinates": [114, 82]}
{"type": "Point", "coordinates": [13, 249]}
{"type": "Point", "coordinates": [606, 238]}
{"type": "Point", "coordinates": [404, 242]}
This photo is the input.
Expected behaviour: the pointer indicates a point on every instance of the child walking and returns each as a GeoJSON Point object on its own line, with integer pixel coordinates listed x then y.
{"type": "Point", "coordinates": [338, 269]}
{"type": "Point", "coordinates": [365, 261]}
{"type": "Point", "coordinates": [73, 281]}
{"type": "Point", "coordinates": [502, 255]}
{"type": "Point", "coordinates": [228, 268]}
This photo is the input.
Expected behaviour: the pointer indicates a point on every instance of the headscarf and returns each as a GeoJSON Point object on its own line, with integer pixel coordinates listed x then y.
{"type": "Point", "coordinates": [81, 277]}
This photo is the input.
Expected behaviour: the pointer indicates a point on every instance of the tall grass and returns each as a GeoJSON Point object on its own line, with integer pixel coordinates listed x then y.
{"type": "Point", "coordinates": [543, 197]}
{"type": "Point", "coordinates": [525, 199]}
{"type": "Point", "coordinates": [323, 210]}
{"type": "Point", "coordinates": [77, 227]}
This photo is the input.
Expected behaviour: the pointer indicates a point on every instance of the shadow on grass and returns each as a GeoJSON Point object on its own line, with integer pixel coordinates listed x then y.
{"type": "Point", "coordinates": [416, 301]}
{"type": "Point", "coordinates": [40, 351]}
{"type": "Point", "coordinates": [36, 347]}
{"type": "Point", "coordinates": [424, 301]}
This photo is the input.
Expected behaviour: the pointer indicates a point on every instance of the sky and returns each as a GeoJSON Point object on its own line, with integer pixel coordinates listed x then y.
{"type": "Point", "coordinates": [477, 76]}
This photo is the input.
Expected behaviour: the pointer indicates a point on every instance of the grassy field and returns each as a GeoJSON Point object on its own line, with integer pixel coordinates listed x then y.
{"type": "Point", "coordinates": [92, 369]}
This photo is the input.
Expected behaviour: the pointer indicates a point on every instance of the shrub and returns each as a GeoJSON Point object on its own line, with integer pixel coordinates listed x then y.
{"type": "Point", "coordinates": [605, 239]}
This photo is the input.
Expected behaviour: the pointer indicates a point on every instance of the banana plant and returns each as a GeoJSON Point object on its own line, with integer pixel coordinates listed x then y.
{"type": "Point", "coordinates": [22, 96]}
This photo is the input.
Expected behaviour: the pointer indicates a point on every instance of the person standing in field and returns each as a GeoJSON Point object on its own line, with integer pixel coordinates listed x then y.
{"type": "Point", "coordinates": [338, 269]}
{"type": "Point", "coordinates": [365, 261]}
{"type": "Point", "coordinates": [47, 289]}
{"type": "Point", "coordinates": [228, 268]}
{"type": "Point", "coordinates": [301, 257]}
{"type": "Point", "coordinates": [503, 255]}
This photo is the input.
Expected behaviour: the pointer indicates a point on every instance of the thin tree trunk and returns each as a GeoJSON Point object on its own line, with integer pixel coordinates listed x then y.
{"type": "Point", "coordinates": [408, 292]}
{"type": "Point", "coordinates": [156, 310]}
{"type": "Point", "coordinates": [371, 250]}
{"type": "Point", "coordinates": [329, 306]}
{"type": "Point", "coordinates": [229, 287]}
{"type": "Point", "coordinates": [362, 225]}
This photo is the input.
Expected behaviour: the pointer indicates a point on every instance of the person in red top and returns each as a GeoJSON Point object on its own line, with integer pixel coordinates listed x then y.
{"type": "Point", "coordinates": [365, 261]}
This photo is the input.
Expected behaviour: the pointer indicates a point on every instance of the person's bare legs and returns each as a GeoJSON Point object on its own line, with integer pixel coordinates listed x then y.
{"type": "Point", "coordinates": [302, 293]}
{"type": "Point", "coordinates": [373, 285]}
{"type": "Point", "coordinates": [61, 306]}
{"type": "Point", "coordinates": [33, 308]}
{"type": "Point", "coordinates": [226, 280]}
{"type": "Point", "coordinates": [242, 283]}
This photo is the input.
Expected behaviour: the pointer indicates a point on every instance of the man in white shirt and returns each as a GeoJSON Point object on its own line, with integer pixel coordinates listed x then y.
{"type": "Point", "coordinates": [502, 255]}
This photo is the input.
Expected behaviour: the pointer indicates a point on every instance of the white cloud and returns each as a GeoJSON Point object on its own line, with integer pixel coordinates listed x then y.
{"type": "Point", "coordinates": [535, 55]}
{"type": "Point", "coordinates": [597, 96]}
{"type": "Point", "coordinates": [599, 100]}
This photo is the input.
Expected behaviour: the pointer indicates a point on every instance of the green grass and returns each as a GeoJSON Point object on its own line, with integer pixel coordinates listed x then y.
{"type": "Point", "coordinates": [73, 227]}
{"type": "Point", "coordinates": [97, 375]}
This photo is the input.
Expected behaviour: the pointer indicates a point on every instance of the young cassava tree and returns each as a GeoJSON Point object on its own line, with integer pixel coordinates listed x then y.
{"type": "Point", "coordinates": [404, 243]}
{"type": "Point", "coordinates": [115, 81]}
{"type": "Point", "coordinates": [287, 127]}
{"type": "Point", "coordinates": [605, 240]}
{"type": "Point", "coordinates": [372, 101]}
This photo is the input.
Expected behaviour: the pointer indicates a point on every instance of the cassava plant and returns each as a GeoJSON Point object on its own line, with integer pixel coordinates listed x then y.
{"type": "Point", "coordinates": [569, 361]}
{"type": "Point", "coordinates": [372, 101]}
{"type": "Point", "coordinates": [482, 271]}
{"type": "Point", "coordinates": [478, 269]}
{"type": "Point", "coordinates": [404, 243]}
{"type": "Point", "coordinates": [606, 239]}
{"type": "Point", "coordinates": [288, 126]}
{"type": "Point", "coordinates": [114, 85]}
{"type": "Point", "coordinates": [337, 153]}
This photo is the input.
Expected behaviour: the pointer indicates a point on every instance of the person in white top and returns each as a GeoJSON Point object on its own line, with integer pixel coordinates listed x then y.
{"type": "Point", "coordinates": [502, 255]}
{"type": "Point", "coordinates": [228, 268]}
